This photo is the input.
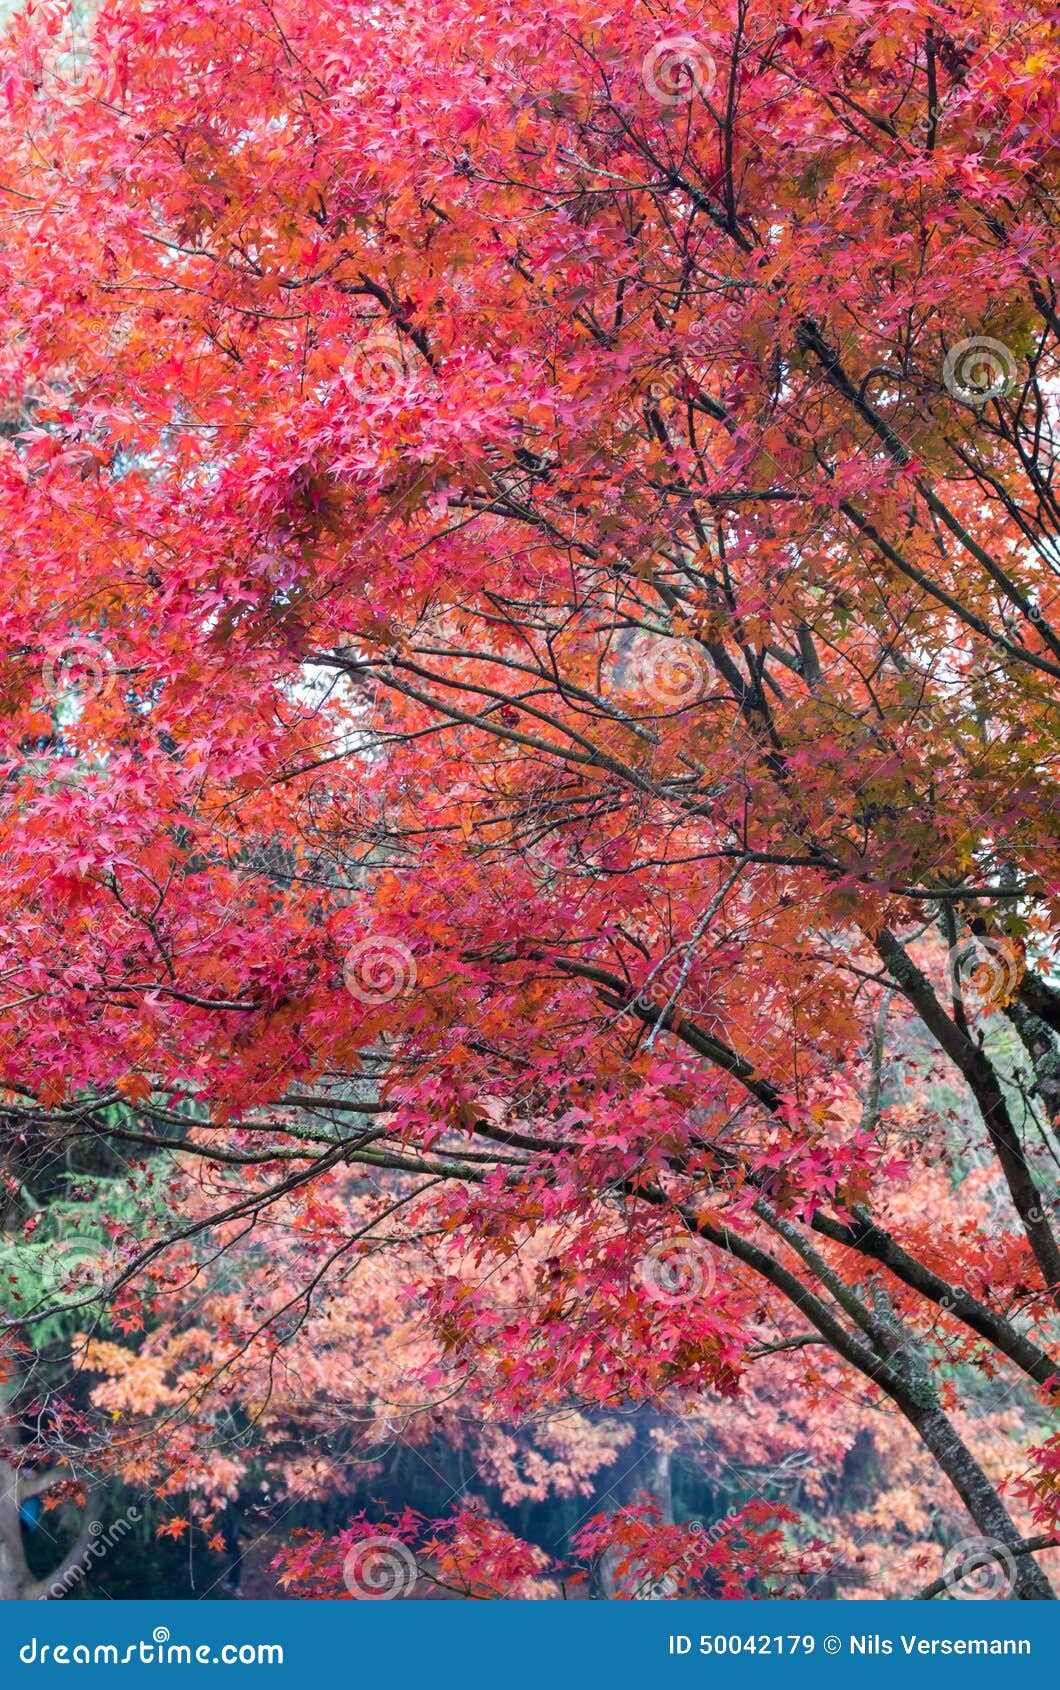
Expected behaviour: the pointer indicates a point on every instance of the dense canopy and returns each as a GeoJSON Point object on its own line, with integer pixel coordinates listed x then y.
{"type": "Point", "coordinates": [530, 642]}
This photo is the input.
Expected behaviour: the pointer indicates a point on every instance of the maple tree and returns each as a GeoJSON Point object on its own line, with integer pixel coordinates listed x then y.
{"type": "Point", "coordinates": [320, 1388]}
{"type": "Point", "coordinates": [530, 670]}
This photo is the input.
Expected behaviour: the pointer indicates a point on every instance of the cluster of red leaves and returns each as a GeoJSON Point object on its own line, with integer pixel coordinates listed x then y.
{"type": "Point", "coordinates": [466, 1555]}
{"type": "Point", "coordinates": [550, 625]}
{"type": "Point", "coordinates": [469, 1555]}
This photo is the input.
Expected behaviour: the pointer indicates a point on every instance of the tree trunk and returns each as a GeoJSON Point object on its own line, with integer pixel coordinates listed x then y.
{"type": "Point", "coordinates": [16, 1580]}
{"type": "Point", "coordinates": [914, 1397]}
{"type": "Point", "coordinates": [17, 1583]}
{"type": "Point", "coordinates": [1029, 1583]}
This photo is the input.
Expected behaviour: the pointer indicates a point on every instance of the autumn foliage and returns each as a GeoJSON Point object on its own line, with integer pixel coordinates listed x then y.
{"type": "Point", "coordinates": [528, 706]}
